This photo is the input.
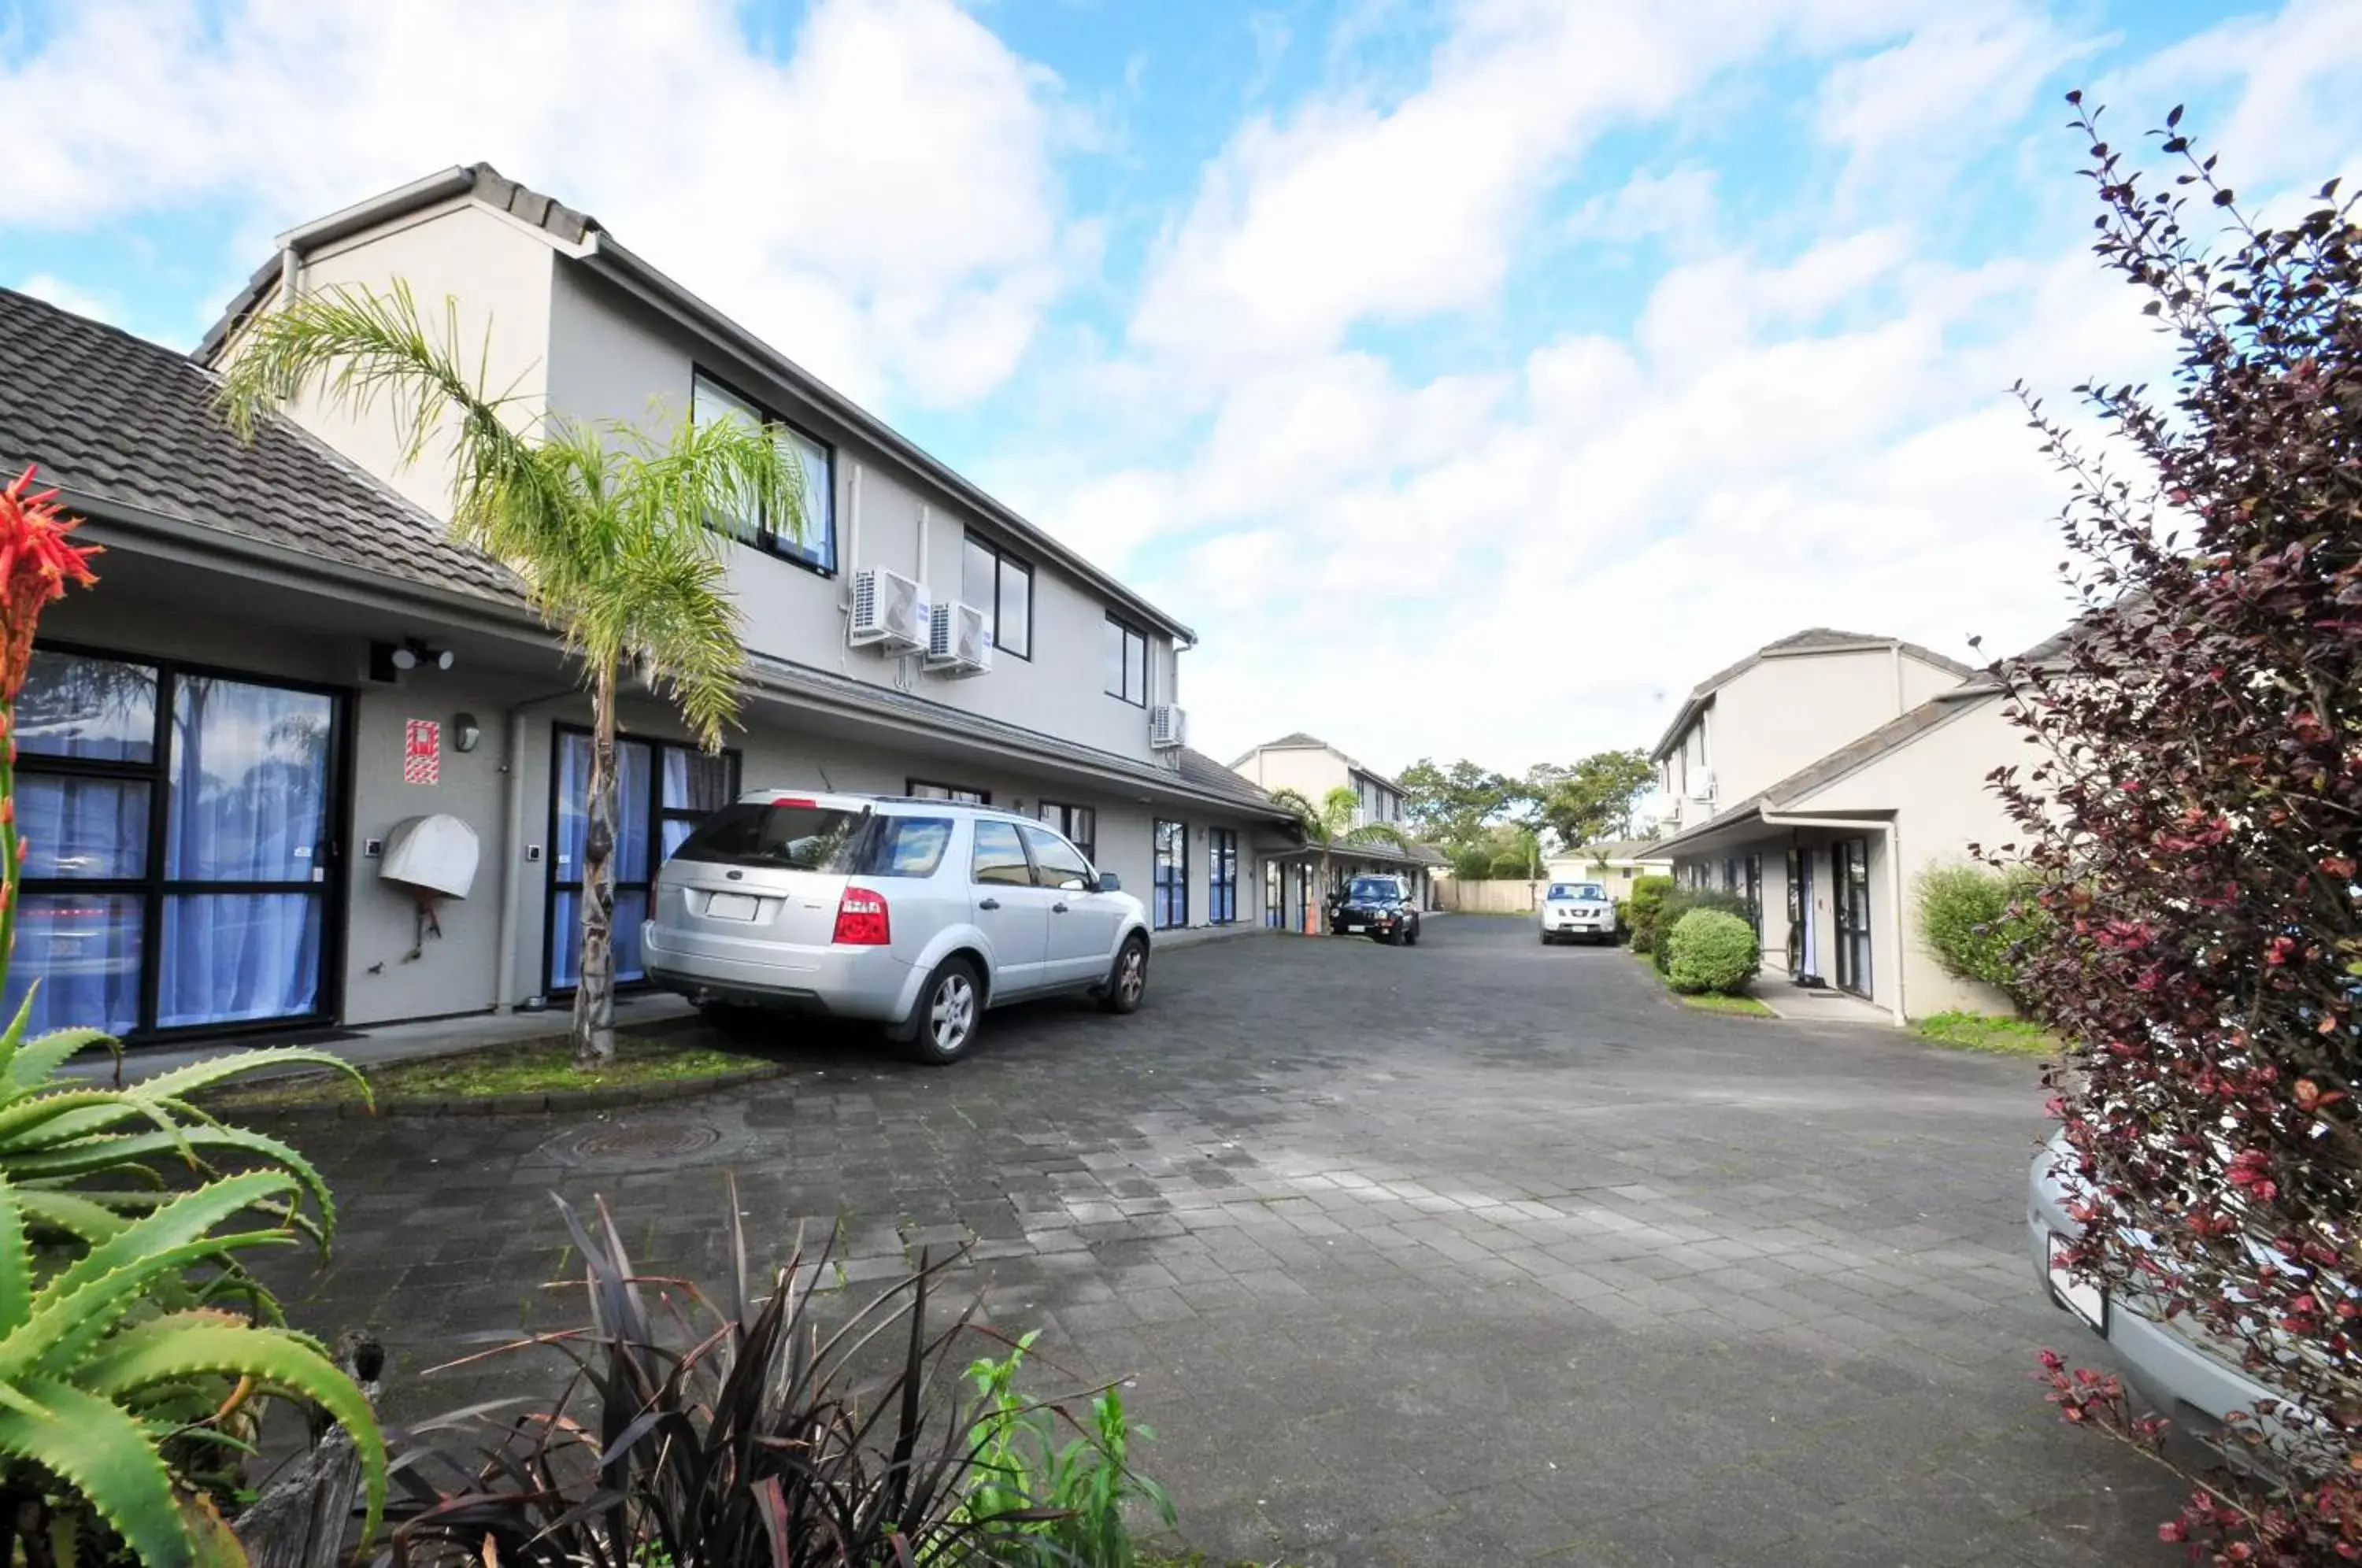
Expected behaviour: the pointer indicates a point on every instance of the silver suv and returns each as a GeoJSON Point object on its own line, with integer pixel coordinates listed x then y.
{"type": "Point", "coordinates": [915, 914]}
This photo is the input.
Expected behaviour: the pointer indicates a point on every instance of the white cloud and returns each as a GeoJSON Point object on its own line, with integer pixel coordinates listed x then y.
{"type": "Point", "coordinates": [882, 202]}
{"type": "Point", "coordinates": [66, 296]}
{"type": "Point", "coordinates": [1842, 451]}
{"type": "Point", "coordinates": [1934, 100]}
{"type": "Point", "coordinates": [1356, 208]}
{"type": "Point", "coordinates": [1677, 206]}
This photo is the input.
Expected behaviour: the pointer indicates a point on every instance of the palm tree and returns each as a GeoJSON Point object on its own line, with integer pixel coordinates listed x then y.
{"type": "Point", "coordinates": [1330, 826]}
{"type": "Point", "coordinates": [609, 529]}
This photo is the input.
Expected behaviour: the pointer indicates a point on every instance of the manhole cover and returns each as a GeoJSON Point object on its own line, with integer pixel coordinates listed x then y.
{"type": "Point", "coordinates": [641, 1145]}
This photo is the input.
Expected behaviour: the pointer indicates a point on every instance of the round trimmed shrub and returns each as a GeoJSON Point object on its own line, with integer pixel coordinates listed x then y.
{"type": "Point", "coordinates": [1681, 901]}
{"type": "Point", "coordinates": [1712, 950]}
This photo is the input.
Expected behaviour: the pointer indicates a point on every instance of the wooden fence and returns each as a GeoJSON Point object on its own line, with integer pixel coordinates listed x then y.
{"type": "Point", "coordinates": [1519, 897]}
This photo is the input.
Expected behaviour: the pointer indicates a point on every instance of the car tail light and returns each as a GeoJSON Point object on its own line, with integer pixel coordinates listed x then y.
{"type": "Point", "coordinates": [861, 919]}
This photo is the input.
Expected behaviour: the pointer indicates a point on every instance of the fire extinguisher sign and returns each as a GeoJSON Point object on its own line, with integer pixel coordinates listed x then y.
{"type": "Point", "coordinates": [422, 752]}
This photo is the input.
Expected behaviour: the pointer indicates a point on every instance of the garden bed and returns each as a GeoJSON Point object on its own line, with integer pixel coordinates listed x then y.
{"type": "Point", "coordinates": [531, 1075]}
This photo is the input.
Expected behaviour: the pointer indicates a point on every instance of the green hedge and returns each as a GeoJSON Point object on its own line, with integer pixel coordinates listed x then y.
{"type": "Point", "coordinates": [1712, 950]}
{"type": "Point", "coordinates": [1641, 911]}
{"type": "Point", "coordinates": [1975, 921]}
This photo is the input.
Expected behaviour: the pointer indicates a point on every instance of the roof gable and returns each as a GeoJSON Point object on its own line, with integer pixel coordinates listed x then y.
{"type": "Point", "coordinates": [594, 245]}
{"type": "Point", "coordinates": [1811, 640]}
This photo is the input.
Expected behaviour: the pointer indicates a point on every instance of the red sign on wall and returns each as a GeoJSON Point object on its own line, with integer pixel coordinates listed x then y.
{"type": "Point", "coordinates": [422, 752]}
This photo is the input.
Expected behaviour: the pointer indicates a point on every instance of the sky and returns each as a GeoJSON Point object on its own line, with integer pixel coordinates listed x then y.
{"type": "Point", "coordinates": [1474, 376]}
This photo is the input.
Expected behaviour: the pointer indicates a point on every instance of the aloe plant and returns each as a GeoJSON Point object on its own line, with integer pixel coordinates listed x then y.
{"type": "Point", "coordinates": [106, 1368]}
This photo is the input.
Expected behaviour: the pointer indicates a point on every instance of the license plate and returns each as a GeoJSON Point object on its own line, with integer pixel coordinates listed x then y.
{"type": "Point", "coordinates": [1355, 929]}
{"type": "Point", "coordinates": [2087, 1301]}
{"type": "Point", "coordinates": [732, 906]}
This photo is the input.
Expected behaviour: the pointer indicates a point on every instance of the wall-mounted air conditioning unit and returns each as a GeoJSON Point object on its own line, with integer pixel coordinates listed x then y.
{"type": "Point", "coordinates": [889, 612]}
{"type": "Point", "coordinates": [958, 642]}
{"type": "Point", "coordinates": [1168, 727]}
{"type": "Point", "coordinates": [1701, 785]}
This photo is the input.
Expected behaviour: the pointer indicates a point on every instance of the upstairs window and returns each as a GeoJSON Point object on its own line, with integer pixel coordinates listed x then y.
{"type": "Point", "coordinates": [710, 399]}
{"type": "Point", "coordinates": [1002, 587]}
{"type": "Point", "coordinates": [1127, 662]}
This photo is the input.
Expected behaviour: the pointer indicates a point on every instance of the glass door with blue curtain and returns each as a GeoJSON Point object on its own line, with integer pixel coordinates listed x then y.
{"type": "Point", "coordinates": [180, 866]}
{"type": "Point", "coordinates": [1221, 876]}
{"type": "Point", "coordinates": [1171, 908]}
{"type": "Point", "coordinates": [662, 792]}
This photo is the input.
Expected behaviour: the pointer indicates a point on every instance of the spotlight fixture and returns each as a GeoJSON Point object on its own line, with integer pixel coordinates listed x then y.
{"type": "Point", "coordinates": [413, 653]}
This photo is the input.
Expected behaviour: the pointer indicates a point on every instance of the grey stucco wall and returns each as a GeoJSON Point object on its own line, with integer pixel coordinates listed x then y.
{"type": "Point", "coordinates": [457, 973]}
{"type": "Point", "coordinates": [611, 357]}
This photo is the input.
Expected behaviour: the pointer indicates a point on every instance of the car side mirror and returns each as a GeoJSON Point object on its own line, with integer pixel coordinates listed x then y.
{"type": "Point", "coordinates": [1106, 882]}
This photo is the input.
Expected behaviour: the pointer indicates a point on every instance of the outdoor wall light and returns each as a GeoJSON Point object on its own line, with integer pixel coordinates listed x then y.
{"type": "Point", "coordinates": [465, 732]}
{"type": "Point", "coordinates": [414, 653]}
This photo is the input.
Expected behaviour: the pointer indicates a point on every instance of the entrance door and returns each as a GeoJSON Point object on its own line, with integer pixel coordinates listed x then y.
{"type": "Point", "coordinates": [1849, 860]}
{"type": "Point", "coordinates": [179, 861]}
{"type": "Point", "coordinates": [662, 792]}
{"type": "Point", "coordinates": [1803, 950]}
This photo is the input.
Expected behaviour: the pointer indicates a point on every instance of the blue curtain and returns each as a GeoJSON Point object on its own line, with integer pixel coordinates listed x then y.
{"type": "Point", "coordinates": [84, 950]}
{"type": "Point", "coordinates": [248, 803]}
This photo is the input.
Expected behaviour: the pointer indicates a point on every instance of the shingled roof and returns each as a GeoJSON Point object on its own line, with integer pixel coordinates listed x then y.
{"type": "Point", "coordinates": [116, 420]}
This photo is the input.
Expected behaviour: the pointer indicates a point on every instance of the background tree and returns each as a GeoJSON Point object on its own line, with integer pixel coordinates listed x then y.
{"type": "Point", "coordinates": [1454, 805]}
{"type": "Point", "coordinates": [607, 528]}
{"type": "Point", "coordinates": [2196, 826]}
{"type": "Point", "coordinates": [1332, 825]}
{"type": "Point", "coordinates": [1593, 801]}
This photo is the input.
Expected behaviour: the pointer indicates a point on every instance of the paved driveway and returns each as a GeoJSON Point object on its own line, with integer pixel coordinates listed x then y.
{"type": "Point", "coordinates": [1475, 1252]}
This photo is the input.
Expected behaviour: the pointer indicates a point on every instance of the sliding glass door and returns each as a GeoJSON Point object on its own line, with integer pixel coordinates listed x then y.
{"type": "Point", "coordinates": [662, 792]}
{"type": "Point", "coordinates": [180, 868]}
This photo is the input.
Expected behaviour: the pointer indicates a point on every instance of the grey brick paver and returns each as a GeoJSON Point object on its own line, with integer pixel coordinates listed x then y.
{"type": "Point", "coordinates": [1474, 1251]}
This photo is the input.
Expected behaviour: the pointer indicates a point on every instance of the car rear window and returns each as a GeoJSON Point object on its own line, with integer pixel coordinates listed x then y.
{"type": "Point", "coordinates": [795, 836]}
{"type": "Point", "coordinates": [1577, 890]}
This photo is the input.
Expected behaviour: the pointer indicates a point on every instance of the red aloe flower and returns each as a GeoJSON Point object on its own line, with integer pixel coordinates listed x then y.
{"type": "Point", "coordinates": [35, 563]}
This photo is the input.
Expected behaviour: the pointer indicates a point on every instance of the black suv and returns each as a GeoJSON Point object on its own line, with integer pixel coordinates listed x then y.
{"type": "Point", "coordinates": [1380, 907]}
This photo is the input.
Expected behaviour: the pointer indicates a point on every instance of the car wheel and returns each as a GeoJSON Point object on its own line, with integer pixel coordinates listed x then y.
{"type": "Point", "coordinates": [1546, 939]}
{"type": "Point", "coordinates": [1128, 981]}
{"type": "Point", "coordinates": [951, 1008]}
{"type": "Point", "coordinates": [1410, 934]}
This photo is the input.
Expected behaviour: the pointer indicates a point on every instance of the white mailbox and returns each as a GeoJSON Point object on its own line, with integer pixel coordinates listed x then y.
{"type": "Point", "coordinates": [430, 856]}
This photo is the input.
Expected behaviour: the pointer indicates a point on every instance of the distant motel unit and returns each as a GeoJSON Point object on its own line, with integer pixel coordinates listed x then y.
{"type": "Point", "coordinates": [1816, 779]}
{"type": "Point", "coordinates": [1292, 896]}
{"type": "Point", "coordinates": [286, 657]}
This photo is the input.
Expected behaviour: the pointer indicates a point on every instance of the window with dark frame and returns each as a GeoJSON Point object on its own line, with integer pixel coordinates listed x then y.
{"type": "Point", "coordinates": [663, 790]}
{"type": "Point", "coordinates": [181, 829]}
{"type": "Point", "coordinates": [1079, 825]}
{"type": "Point", "coordinates": [1002, 586]}
{"type": "Point", "coordinates": [1274, 899]}
{"type": "Point", "coordinates": [1126, 662]}
{"type": "Point", "coordinates": [929, 790]}
{"type": "Point", "coordinates": [710, 398]}
{"type": "Point", "coordinates": [1172, 890]}
{"type": "Point", "coordinates": [1222, 875]}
